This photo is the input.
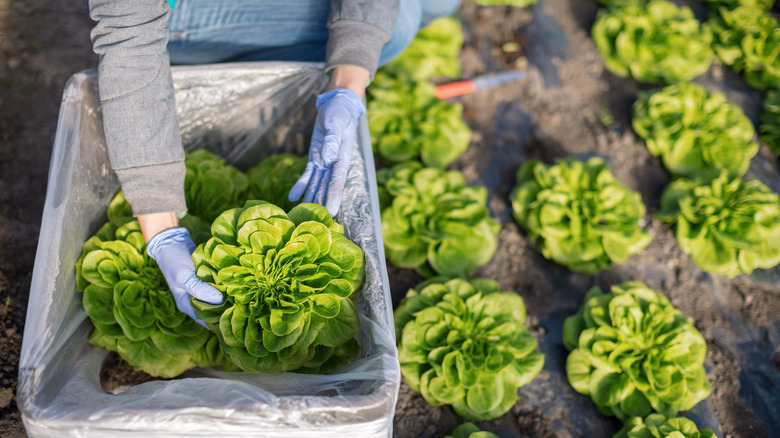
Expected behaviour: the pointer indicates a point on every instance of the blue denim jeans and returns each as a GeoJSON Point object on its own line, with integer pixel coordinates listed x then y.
{"type": "Point", "coordinates": [208, 31]}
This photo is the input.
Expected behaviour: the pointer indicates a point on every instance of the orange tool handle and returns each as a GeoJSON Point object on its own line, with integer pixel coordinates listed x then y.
{"type": "Point", "coordinates": [455, 89]}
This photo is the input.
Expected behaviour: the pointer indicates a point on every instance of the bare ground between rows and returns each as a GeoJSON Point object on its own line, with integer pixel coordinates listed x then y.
{"type": "Point", "coordinates": [562, 109]}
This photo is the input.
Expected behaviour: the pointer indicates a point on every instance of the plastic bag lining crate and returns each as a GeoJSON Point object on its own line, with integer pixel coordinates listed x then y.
{"type": "Point", "coordinates": [242, 112]}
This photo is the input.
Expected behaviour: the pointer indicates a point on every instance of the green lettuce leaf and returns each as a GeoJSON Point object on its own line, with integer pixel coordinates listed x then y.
{"type": "Point", "coordinates": [656, 42]}
{"type": "Point", "coordinates": [433, 222]}
{"type": "Point", "coordinates": [408, 122]}
{"type": "Point", "coordinates": [211, 186]}
{"type": "Point", "coordinates": [747, 38]}
{"type": "Point", "coordinates": [770, 121]}
{"type": "Point", "coordinates": [763, 4]}
{"type": "Point", "coordinates": [128, 301]}
{"type": "Point", "coordinates": [583, 216]}
{"type": "Point", "coordinates": [288, 280]}
{"type": "Point", "coordinates": [272, 179]}
{"type": "Point", "coordinates": [633, 353]}
{"type": "Point", "coordinates": [464, 343]}
{"type": "Point", "coordinates": [432, 53]}
{"type": "Point", "coordinates": [470, 430]}
{"type": "Point", "coordinates": [696, 133]}
{"type": "Point", "coordinates": [727, 226]}
{"type": "Point", "coordinates": [660, 426]}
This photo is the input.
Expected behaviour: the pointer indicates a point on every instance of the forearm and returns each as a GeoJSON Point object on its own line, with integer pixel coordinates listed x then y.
{"type": "Point", "coordinates": [137, 102]}
{"type": "Point", "coordinates": [351, 77]}
{"type": "Point", "coordinates": [153, 223]}
{"type": "Point", "coordinates": [357, 30]}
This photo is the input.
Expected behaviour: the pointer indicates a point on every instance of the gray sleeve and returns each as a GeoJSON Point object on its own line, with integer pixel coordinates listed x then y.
{"type": "Point", "coordinates": [139, 109]}
{"type": "Point", "coordinates": [357, 30]}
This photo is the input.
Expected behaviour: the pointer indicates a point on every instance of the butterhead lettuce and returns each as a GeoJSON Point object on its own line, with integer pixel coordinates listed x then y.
{"type": "Point", "coordinates": [653, 42]}
{"type": "Point", "coordinates": [633, 353]}
{"type": "Point", "coordinates": [408, 122]}
{"type": "Point", "coordinates": [132, 309]}
{"type": "Point", "coordinates": [433, 222]}
{"type": "Point", "coordinates": [583, 217]}
{"type": "Point", "coordinates": [660, 426]}
{"type": "Point", "coordinates": [272, 179]}
{"type": "Point", "coordinates": [287, 280]}
{"type": "Point", "coordinates": [695, 132]}
{"type": "Point", "coordinates": [464, 343]}
{"type": "Point", "coordinates": [727, 226]}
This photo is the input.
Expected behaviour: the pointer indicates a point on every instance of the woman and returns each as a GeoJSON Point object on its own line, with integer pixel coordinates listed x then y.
{"type": "Point", "coordinates": [137, 40]}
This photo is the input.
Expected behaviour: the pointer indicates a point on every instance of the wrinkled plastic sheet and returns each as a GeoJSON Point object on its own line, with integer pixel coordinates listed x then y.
{"type": "Point", "coordinates": [242, 112]}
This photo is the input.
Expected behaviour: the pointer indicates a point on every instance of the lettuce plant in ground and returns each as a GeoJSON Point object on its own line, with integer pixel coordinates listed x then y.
{"type": "Point", "coordinates": [696, 133]}
{"type": "Point", "coordinates": [656, 42]}
{"type": "Point", "coordinates": [583, 216]}
{"type": "Point", "coordinates": [727, 226]}
{"type": "Point", "coordinates": [633, 353]}
{"type": "Point", "coordinates": [464, 343]}
{"type": "Point", "coordinates": [132, 309]}
{"type": "Point", "coordinates": [470, 430]}
{"type": "Point", "coordinates": [763, 4]}
{"type": "Point", "coordinates": [433, 222]}
{"type": "Point", "coordinates": [211, 186]}
{"type": "Point", "coordinates": [660, 426]}
{"type": "Point", "coordinates": [408, 122]}
{"type": "Point", "coordinates": [770, 121]}
{"type": "Point", "coordinates": [433, 53]}
{"type": "Point", "coordinates": [747, 38]}
{"type": "Point", "coordinates": [287, 280]}
{"type": "Point", "coordinates": [272, 179]}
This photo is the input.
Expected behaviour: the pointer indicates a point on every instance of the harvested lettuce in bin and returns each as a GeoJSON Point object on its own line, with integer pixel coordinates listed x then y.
{"type": "Point", "coordinates": [272, 179]}
{"type": "Point", "coordinates": [132, 309]}
{"type": "Point", "coordinates": [287, 280]}
{"type": "Point", "coordinates": [211, 186]}
{"type": "Point", "coordinates": [240, 111]}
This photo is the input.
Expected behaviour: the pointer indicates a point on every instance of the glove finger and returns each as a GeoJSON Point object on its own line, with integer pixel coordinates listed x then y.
{"type": "Point", "coordinates": [331, 144]}
{"type": "Point", "coordinates": [338, 179]}
{"type": "Point", "coordinates": [322, 191]}
{"type": "Point", "coordinates": [190, 246]}
{"type": "Point", "coordinates": [314, 184]}
{"type": "Point", "coordinates": [185, 306]}
{"type": "Point", "coordinates": [201, 290]}
{"type": "Point", "coordinates": [300, 186]}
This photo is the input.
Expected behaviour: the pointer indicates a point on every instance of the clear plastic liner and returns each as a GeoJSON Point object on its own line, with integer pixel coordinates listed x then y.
{"type": "Point", "coordinates": [242, 112]}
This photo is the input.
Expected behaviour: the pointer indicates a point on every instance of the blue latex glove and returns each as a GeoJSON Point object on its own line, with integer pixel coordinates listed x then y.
{"type": "Point", "coordinates": [172, 250]}
{"type": "Point", "coordinates": [332, 142]}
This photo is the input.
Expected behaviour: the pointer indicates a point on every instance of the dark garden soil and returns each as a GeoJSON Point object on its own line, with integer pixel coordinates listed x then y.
{"type": "Point", "coordinates": [568, 105]}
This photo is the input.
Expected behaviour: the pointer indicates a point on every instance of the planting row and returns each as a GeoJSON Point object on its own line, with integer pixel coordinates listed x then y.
{"type": "Point", "coordinates": [288, 275]}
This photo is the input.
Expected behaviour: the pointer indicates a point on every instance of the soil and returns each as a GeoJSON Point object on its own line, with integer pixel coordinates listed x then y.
{"type": "Point", "coordinates": [568, 105]}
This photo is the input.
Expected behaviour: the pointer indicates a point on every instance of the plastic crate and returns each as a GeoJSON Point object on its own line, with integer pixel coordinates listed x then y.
{"type": "Point", "coordinates": [242, 112]}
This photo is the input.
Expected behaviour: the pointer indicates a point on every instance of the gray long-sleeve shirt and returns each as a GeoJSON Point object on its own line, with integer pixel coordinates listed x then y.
{"type": "Point", "coordinates": [136, 89]}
